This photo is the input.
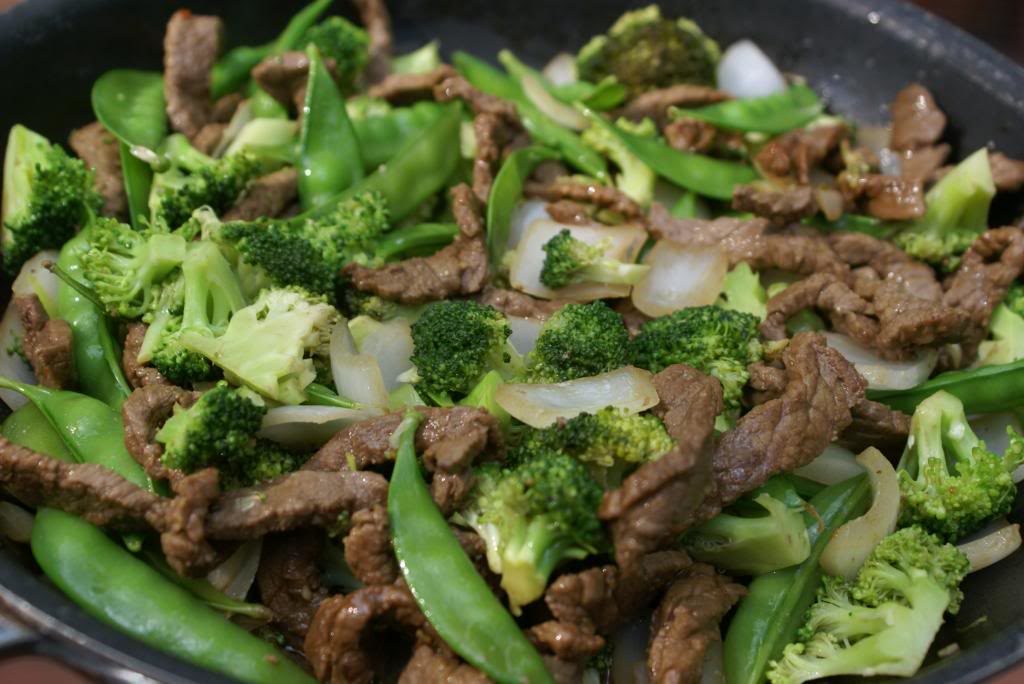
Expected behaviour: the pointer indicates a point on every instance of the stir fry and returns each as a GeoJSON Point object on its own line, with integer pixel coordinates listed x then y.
{"type": "Point", "coordinates": [330, 361]}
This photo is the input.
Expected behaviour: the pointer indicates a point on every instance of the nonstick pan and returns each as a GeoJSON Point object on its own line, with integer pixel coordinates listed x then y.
{"type": "Point", "coordinates": [856, 53]}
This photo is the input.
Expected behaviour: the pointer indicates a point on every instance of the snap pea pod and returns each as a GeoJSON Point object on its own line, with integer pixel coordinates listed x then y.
{"type": "Point", "coordinates": [602, 96]}
{"type": "Point", "coordinates": [206, 592]}
{"type": "Point", "coordinates": [989, 389]}
{"type": "Point", "coordinates": [450, 592]}
{"type": "Point", "coordinates": [413, 240]}
{"type": "Point", "coordinates": [329, 159]}
{"type": "Point", "coordinates": [539, 125]}
{"type": "Point", "coordinates": [96, 352]}
{"type": "Point", "coordinates": [232, 70]}
{"type": "Point", "coordinates": [855, 223]}
{"type": "Point", "coordinates": [320, 395]}
{"type": "Point", "coordinates": [506, 193]}
{"type": "Point", "coordinates": [381, 137]}
{"type": "Point", "coordinates": [772, 114]}
{"type": "Point", "coordinates": [773, 610]}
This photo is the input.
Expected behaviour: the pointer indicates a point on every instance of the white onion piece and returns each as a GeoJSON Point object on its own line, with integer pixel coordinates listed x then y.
{"type": "Point", "coordinates": [834, 465]}
{"type": "Point", "coordinates": [890, 163]}
{"type": "Point", "coordinates": [629, 652]}
{"type": "Point", "coordinates": [853, 542]}
{"type": "Point", "coordinates": [390, 343]}
{"type": "Point", "coordinates": [263, 133]}
{"type": "Point", "coordinates": [341, 340]}
{"type": "Point", "coordinates": [309, 425]}
{"type": "Point", "coordinates": [242, 116]}
{"type": "Point", "coordinates": [35, 279]}
{"type": "Point", "coordinates": [358, 377]}
{"type": "Point", "coordinates": [540, 405]}
{"type": "Point", "coordinates": [881, 373]}
{"type": "Point", "coordinates": [12, 365]}
{"type": "Point", "coordinates": [15, 522]}
{"type": "Point", "coordinates": [991, 544]}
{"type": "Point", "coordinates": [561, 70]}
{"type": "Point", "coordinates": [713, 671]}
{"type": "Point", "coordinates": [559, 112]}
{"type": "Point", "coordinates": [234, 577]}
{"type": "Point", "coordinates": [623, 243]}
{"type": "Point", "coordinates": [831, 202]}
{"type": "Point", "coordinates": [680, 277]}
{"type": "Point", "coordinates": [523, 216]}
{"type": "Point", "coordinates": [745, 71]}
{"type": "Point", "coordinates": [525, 332]}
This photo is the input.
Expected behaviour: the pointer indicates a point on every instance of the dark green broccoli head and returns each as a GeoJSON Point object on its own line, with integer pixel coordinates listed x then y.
{"type": "Point", "coordinates": [716, 341]}
{"type": "Point", "coordinates": [569, 260]}
{"type": "Point", "coordinates": [578, 341]}
{"type": "Point", "coordinates": [455, 342]}
{"type": "Point", "coordinates": [278, 256]}
{"type": "Point", "coordinates": [345, 43]}
{"type": "Point", "coordinates": [354, 303]}
{"type": "Point", "coordinates": [644, 50]}
{"type": "Point", "coordinates": [47, 196]}
{"type": "Point", "coordinates": [350, 230]}
{"type": "Point", "coordinates": [181, 366]}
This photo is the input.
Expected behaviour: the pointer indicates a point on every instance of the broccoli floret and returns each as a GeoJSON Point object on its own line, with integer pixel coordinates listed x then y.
{"type": "Point", "coordinates": [194, 180]}
{"type": "Point", "coordinates": [644, 50]}
{"type": "Point", "coordinates": [455, 343]}
{"type": "Point", "coordinates": [219, 431]}
{"type": "Point", "coordinates": [957, 213]}
{"type": "Point", "coordinates": [125, 267]}
{"type": "Point", "coordinates": [533, 516]}
{"type": "Point", "coordinates": [47, 196]}
{"type": "Point", "coordinates": [713, 340]}
{"type": "Point", "coordinates": [347, 44]}
{"type": "Point", "coordinates": [635, 178]}
{"type": "Point", "coordinates": [884, 621]}
{"type": "Point", "coordinates": [611, 442]}
{"type": "Point", "coordinates": [742, 291]}
{"type": "Point", "coordinates": [1007, 344]}
{"type": "Point", "coordinates": [950, 484]}
{"type": "Point", "coordinates": [270, 345]}
{"type": "Point", "coordinates": [354, 303]}
{"type": "Point", "coordinates": [578, 341]}
{"type": "Point", "coordinates": [349, 231]}
{"type": "Point", "coordinates": [569, 260]}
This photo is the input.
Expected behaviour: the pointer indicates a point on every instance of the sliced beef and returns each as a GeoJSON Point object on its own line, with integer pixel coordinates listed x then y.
{"type": "Point", "coordinates": [520, 304]}
{"type": "Point", "coordinates": [138, 374]}
{"type": "Point", "coordinates": [601, 196]}
{"type": "Point", "coordinates": [876, 425]}
{"type": "Point", "coordinates": [455, 87]}
{"type": "Point", "coordinates": [632, 317]}
{"type": "Point", "coordinates": [885, 261]}
{"type": "Point", "coordinates": [686, 623]}
{"type": "Point", "coordinates": [889, 198]}
{"type": "Point", "coordinates": [734, 235]}
{"type": "Point", "coordinates": [225, 107]}
{"type": "Point", "coordinates": [404, 89]}
{"type": "Point", "coordinates": [792, 155]}
{"type": "Point", "coordinates": [183, 524]}
{"type": "Point", "coordinates": [565, 640]}
{"type": "Point", "coordinates": [209, 137]}
{"type": "Point", "coordinates": [690, 135]}
{"type": "Point", "coordinates": [368, 547]}
{"type": "Point", "coordinates": [781, 205]}
{"type": "Point", "coordinates": [144, 413]}
{"type": "Point", "coordinates": [1007, 174]}
{"type": "Point", "coordinates": [102, 153]}
{"type": "Point", "coordinates": [377, 22]}
{"type": "Point", "coordinates": [192, 43]}
{"type": "Point", "coordinates": [458, 269]}
{"type": "Point", "coordinates": [654, 104]}
{"type": "Point", "coordinates": [916, 120]}
{"type": "Point", "coordinates": [493, 133]}
{"type": "Point", "coordinates": [431, 663]}
{"type": "Point", "coordinates": [289, 580]}
{"type": "Point", "coordinates": [284, 78]}
{"type": "Point", "coordinates": [268, 195]}
{"type": "Point", "coordinates": [920, 165]}
{"type": "Point", "coordinates": [571, 212]}
{"type": "Point", "coordinates": [48, 344]}
{"type": "Point", "coordinates": [656, 503]}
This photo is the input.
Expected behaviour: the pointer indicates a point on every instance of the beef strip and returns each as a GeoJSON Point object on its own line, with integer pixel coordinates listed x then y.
{"type": "Point", "coordinates": [889, 198]}
{"type": "Point", "coordinates": [284, 77]}
{"type": "Point", "coordinates": [289, 580]}
{"type": "Point", "coordinates": [657, 501]}
{"type": "Point", "coordinates": [431, 663]}
{"type": "Point", "coordinates": [690, 135]}
{"type": "Point", "coordinates": [102, 153]}
{"type": "Point", "coordinates": [565, 640]}
{"type": "Point", "coordinates": [455, 87]}
{"type": "Point", "coordinates": [143, 413]}
{"type": "Point", "coordinates": [571, 212]}
{"type": "Point", "coordinates": [183, 524]}
{"type": "Point", "coordinates": [686, 623]}
{"type": "Point", "coordinates": [191, 46]}
{"type": "Point", "coordinates": [404, 89]}
{"type": "Point", "coordinates": [1007, 174]}
{"type": "Point", "coordinates": [520, 304]}
{"type": "Point", "coordinates": [916, 120]}
{"type": "Point", "coordinates": [876, 425]}
{"type": "Point", "coordinates": [209, 137]}
{"type": "Point", "coordinates": [138, 374]}
{"type": "Point", "coordinates": [654, 104]}
{"type": "Point", "coordinates": [457, 269]}
{"type": "Point", "coordinates": [792, 155]}
{"type": "Point", "coordinates": [48, 344]}
{"type": "Point", "coordinates": [780, 205]}
{"type": "Point", "coordinates": [268, 195]}
{"type": "Point", "coordinates": [492, 132]}
{"type": "Point", "coordinates": [377, 22]}
{"type": "Point", "coordinates": [921, 164]}
{"type": "Point", "coordinates": [602, 196]}
{"type": "Point", "coordinates": [368, 547]}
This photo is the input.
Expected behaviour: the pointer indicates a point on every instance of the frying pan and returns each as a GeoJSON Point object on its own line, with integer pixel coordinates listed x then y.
{"type": "Point", "coordinates": [856, 53]}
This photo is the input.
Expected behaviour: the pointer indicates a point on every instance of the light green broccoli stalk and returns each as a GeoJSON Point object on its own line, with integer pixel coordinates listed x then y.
{"type": "Point", "coordinates": [635, 178]}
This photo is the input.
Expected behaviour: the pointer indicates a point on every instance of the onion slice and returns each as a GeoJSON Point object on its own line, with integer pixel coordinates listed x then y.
{"type": "Point", "coordinates": [852, 543]}
{"type": "Point", "coordinates": [881, 373]}
{"type": "Point", "coordinates": [309, 425]}
{"type": "Point", "coordinates": [834, 465]}
{"type": "Point", "coordinates": [540, 405]}
{"type": "Point", "coordinates": [992, 544]}
{"type": "Point", "coordinates": [15, 522]}
{"type": "Point", "coordinates": [356, 376]}
{"type": "Point", "coordinates": [525, 332]}
{"type": "Point", "coordinates": [561, 113]}
{"type": "Point", "coordinates": [390, 343]}
{"type": "Point", "coordinates": [35, 278]}
{"type": "Point", "coordinates": [745, 71]}
{"type": "Point", "coordinates": [561, 70]}
{"type": "Point", "coordinates": [234, 577]}
{"type": "Point", "coordinates": [680, 277]}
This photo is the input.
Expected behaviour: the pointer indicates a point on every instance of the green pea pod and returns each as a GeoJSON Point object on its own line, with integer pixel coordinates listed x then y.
{"type": "Point", "coordinates": [138, 179]}
{"type": "Point", "coordinates": [771, 114]}
{"type": "Point", "coordinates": [855, 223]}
{"type": "Point", "coordinates": [329, 159]}
{"type": "Point", "coordinates": [773, 610]}
{"type": "Point", "coordinates": [607, 94]}
{"type": "Point", "coordinates": [381, 137]}
{"type": "Point", "coordinates": [206, 592]}
{"type": "Point", "coordinates": [264, 106]}
{"type": "Point", "coordinates": [687, 206]}
{"type": "Point", "coordinates": [413, 240]}
{"type": "Point", "coordinates": [232, 70]}
{"type": "Point", "coordinates": [319, 395]}
{"type": "Point", "coordinates": [29, 427]}
{"type": "Point", "coordinates": [989, 389]}
{"type": "Point", "coordinates": [703, 175]}
{"type": "Point", "coordinates": [506, 192]}
{"type": "Point", "coordinates": [97, 354]}
{"type": "Point", "coordinates": [453, 596]}
{"type": "Point", "coordinates": [486, 77]}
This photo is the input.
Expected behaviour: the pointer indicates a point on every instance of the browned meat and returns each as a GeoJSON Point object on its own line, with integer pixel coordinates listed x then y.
{"type": "Point", "coordinates": [143, 413]}
{"type": "Point", "coordinates": [368, 547]}
{"type": "Point", "coordinates": [208, 137]}
{"type": "Point", "coordinates": [686, 623]}
{"type": "Point", "coordinates": [780, 205]}
{"type": "Point", "coordinates": [565, 640]}
{"type": "Point", "coordinates": [916, 120]}
{"type": "Point", "coordinates": [403, 89]}
{"type": "Point", "coordinates": [920, 165]}
{"type": "Point", "coordinates": [516, 303]}
{"type": "Point", "coordinates": [690, 135]}
{"type": "Point", "coordinates": [47, 344]}
{"type": "Point", "coordinates": [268, 195]}
{"type": "Point", "coordinates": [191, 46]}
{"type": "Point", "coordinates": [224, 108]}
{"type": "Point", "coordinates": [436, 663]}
{"type": "Point", "coordinates": [848, 312]}
{"type": "Point", "coordinates": [571, 212]}
{"type": "Point", "coordinates": [734, 235]}
{"type": "Point", "coordinates": [102, 153]}
{"type": "Point", "coordinates": [602, 196]}
{"type": "Point", "coordinates": [183, 523]}
{"type": "Point", "coordinates": [884, 261]}
{"type": "Point", "coordinates": [886, 197]}
{"type": "Point", "coordinates": [632, 317]}
{"type": "Point", "coordinates": [1007, 174]}
{"type": "Point", "coordinates": [289, 580]}
{"type": "Point", "coordinates": [377, 21]}
{"type": "Point", "coordinates": [654, 104]}
{"type": "Point", "coordinates": [455, 87]}
{"type": "Point", "coordinates": [767, 382]}
{"type": "Point", "coordinates": [656, 503]}
{"type": "Point", "coordinates": [794, 154]}
{"type": "Point", "coordinates": [138, 374]}
{"type": "Point", "coordinates": [458, 269]}
{"type": "Point", "coordinates": [492, 134]}
{"type": "Point", "coordinates": [876, 425]}
{"type": "Point", "coordinates": [284, 78]}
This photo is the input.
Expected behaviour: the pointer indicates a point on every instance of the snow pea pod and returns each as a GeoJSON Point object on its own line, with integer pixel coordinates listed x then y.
{"type": "Point", "coordinates": [413, 240]}
{"type": "Point", "coordinates": [989, 389]}
{"type": "Point", "coordinates": [506, 193]}
{"type": "Point", "coordinates": [381, 137]}
{"type": "Point", "coordinates": [703, 175]}
{"type": "Point", "coordinates": [773, 610]}
{"type": "Point", "coordinates": [329, 159]}
{"type": "Point", "coordinates": [453, 596]}
{"type": "Point", "coordinates": [771, 114]}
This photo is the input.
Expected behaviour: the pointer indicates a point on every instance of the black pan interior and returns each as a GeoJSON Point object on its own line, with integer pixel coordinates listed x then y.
{"type": "Point", "coordinates": [856, 53]}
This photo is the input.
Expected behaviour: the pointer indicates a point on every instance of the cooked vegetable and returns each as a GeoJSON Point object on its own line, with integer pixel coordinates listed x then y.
{"type": "Point", "coordinates": [568, 260]}
{"type": "Point", "coordinates": [680, 277]}
{"type": "Point", "coordinates": [579, 340]}
{"type": "Point", "coordinates": [338, 39]}
{"type": "Point", "coordinates": [742, 291]}
{"type": "Point", "coordinates": [635, 178]}
{"type": "Point", "coordinates": [771, 114]}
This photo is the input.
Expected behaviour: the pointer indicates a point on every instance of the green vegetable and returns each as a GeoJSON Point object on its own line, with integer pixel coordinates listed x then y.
{"type": "Point", "coordinates": [382, 134]}
{"type": "Point", "coordinates": [577, 341]}
{"type": "Point", "coordinates": [1007, 344]}
{"type": "Point", "coordinates": [448, 589]}
{"type": "Point", "coordinates": [602, 96]}
{"type": "Point", "coordinates": [413, 240]}
{"type": "Point", "coordinates": [568, 261]}
{"type": "Point", "coordinates": [338, 39]}
{"type": "Point", "coordinates": [207, 593]}
{"type": "Point", "coordinates": [950, 484]}
{"type": "Point", "coordinates": [771, 114]}
{"type": "Point", "coordinates": [635, 178]}
{"type": "Point", "coordinates": [506, 192]}
{"type": "Point", "coordinates": [421, 60]}
{"type": "Point", "coordinates": [742, 291]}
{"type": "Point", "coordinates": [482, 396]}
{"type": "Point", "coordinates": [320, 395]}
{"type": "Point", "coordinates": [883, 622]}
{"type": "Point", "coordinates": [990, 389]}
